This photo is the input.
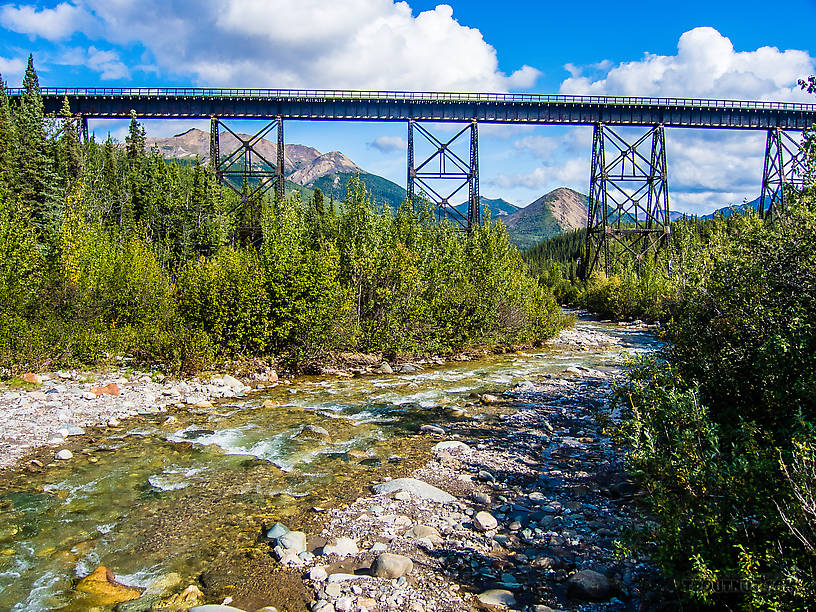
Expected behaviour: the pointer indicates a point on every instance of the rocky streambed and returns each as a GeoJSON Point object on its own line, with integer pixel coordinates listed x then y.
{"type": "Point", "coordinates": [482, 485]}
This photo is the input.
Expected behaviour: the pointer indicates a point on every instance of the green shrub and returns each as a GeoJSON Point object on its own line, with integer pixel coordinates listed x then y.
{"type": "Point", "coordinates": [225, 298]}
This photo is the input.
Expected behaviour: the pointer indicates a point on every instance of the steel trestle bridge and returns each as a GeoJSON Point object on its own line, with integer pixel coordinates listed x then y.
{"type": "Point", "coordinates": [628, 192]}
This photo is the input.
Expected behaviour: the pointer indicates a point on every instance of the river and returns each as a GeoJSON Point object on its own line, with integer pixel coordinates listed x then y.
{"type": "Point", "coordinates": [158, 497]}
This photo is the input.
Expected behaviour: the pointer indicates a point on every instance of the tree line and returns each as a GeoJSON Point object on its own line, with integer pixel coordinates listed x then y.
{"type": "Point", "coordinates": [108, 251]}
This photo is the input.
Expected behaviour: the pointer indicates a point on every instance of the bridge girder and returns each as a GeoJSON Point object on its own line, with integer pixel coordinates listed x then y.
{"type": "Point", "coordinates": [628, 211]}
{"type": "Point", "coordinates": [444, 174]}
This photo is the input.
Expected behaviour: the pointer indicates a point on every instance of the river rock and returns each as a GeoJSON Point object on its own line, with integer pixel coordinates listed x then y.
{"type": "Point", "coordinates": [342, 577]}
{"type": "Point", "coordinates": [109, 389]}
{"type": "Point", "coordinates": [313, 431]}
{"type": "Point", "coordinates": [232, 382]}
{"type": "Point", "coordinates": [422, 532]}
{"type": "Point", "coordinates": [489, 398]}
{"type": "Point", "coordinates": [188, 598]}
{"type": "Point", "coordinates": [70, 430]}
{"type": "Point", "coordinates": [481, 498]}
{"type": "Point", "coordinates": [294, 541]}
{"type": "Point", "coordinates": [342, 547]}
{"type": "Point", "coordinates": [590, 585]}
{"type": "Point", "coordinates": [64, 455]}
{"type": "Point", "coordinates": [407, 368]}
{"type": "Point", "coordinates": [318, 573]}
{"type": "Point", "coordinates": [415, 487]}
{"type": "Point", "coordinates": [144, 604]}
{"type": "Point", "coordinates": [102, 587]}
{"type": "Point", "coordinates": [497, 598]}
{"type": "Point", "coordinates": [451, 446]}
{"type": "Point", "coordinates": [215, 608]}
{"type": "Point", "coordinates": [390, 565]}
{"type": "Point", "coordinates": [276, 531]}
{"type": "Point", "coordinates": [484, 521]}
{"type": "Point", "coordinates": [31, 378]}
{"type": "Point", "coordinates": [432, 429]}
{"type": "Point", "coordinates": [384, 368]}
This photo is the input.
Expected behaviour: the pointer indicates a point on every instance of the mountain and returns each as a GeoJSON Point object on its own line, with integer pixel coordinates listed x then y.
{"type": "Point", "coordinates": [734, 210]}
{"type": "Point", "coordinates": [497, 207]}
{"type": "Point", "coordinates": [560, 210]}
{"type": "Point", "coordinates": [382, 190]}
{"type": "Point", "coordinates": [303, 167]}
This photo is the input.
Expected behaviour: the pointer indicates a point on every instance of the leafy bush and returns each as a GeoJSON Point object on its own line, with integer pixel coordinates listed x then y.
{"type": "Point", "coordinates": [225, 298]}
{"type": "Point", "coordinates": [721, 432]}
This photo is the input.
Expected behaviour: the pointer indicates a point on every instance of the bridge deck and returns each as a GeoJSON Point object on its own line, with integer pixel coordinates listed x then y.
{"type": "Point", "coordinates": [427, 106]}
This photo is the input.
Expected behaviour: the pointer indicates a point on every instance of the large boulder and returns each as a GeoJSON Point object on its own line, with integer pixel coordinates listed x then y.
{"type": "Point", "coordinates": [390, 565]}
{"type": "Point", "coordinates": [415, 487]}
{"type": "Point", "coordinates": [101, 586]}
{"type": "Point", "coordinates": [497, 599]}
{"type": "Point", "coordinates": [484, 521]}
{"type": "Point", "coordinates": [294, 541]}
{"type": "Point", "coordinates": [589, 584]}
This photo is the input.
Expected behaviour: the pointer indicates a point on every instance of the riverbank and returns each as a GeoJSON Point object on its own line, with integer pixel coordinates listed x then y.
{"type": "Point", "coordinates": [521, 513]}
{"type": "Point", "coordinates": [43, 410]}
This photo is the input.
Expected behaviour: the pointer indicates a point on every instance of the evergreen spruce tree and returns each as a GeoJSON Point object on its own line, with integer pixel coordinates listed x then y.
{"type": "Point", "coordinates": [135, 139]}
{"type": "Point", "coordinates": [70, 155]}
{"type": "Point", "coordinates": [6, 142]}
{"type": "Point", "coordinates": [137, 169]}
{"type": "Point", "coordinates": [36, 184]}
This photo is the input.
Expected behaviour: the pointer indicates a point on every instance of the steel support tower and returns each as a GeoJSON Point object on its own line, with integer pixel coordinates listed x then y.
{"type": "Point", "coordinates": [443, 176]}
{"type": "Point", "coordinates": [628, 200]}
{"type": "Point", "coordinates": [785, 169]}
{"type": "Point", "coordinates": [240, 166]}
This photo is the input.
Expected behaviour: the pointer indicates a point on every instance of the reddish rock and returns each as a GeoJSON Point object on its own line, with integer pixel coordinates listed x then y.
{"type": "Point", "coordinates": [32, 378]}
{"type": "Point", "coordinates": [109, 389]}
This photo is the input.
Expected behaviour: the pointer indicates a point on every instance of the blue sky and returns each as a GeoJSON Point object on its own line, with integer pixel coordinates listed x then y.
{"type": "Point", "coordinates": [711, 49]}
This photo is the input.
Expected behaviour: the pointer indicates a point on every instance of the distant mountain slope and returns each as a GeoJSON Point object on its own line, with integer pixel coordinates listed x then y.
{"type": "Point", "coordinates": [498, 207]}
{"type": "Point", "coordinates": [195, 142]}
{"type": "Point", "coordinates": [558, 211]}
{"type": "Point", "coordinates": [382, 190]}
{"type": "Point", "coordinates": [305, 168]}
{"type": "Point", "coordinates": [727, 211]}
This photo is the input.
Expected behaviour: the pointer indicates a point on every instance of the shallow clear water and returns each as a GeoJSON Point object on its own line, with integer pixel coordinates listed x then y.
{"type": "Point", "coordinates": [163, 498]}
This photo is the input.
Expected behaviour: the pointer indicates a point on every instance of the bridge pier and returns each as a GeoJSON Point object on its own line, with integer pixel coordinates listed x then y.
{"type": "Point", "coordinates": [444, 174]}
{"type": "Point", "coordinates": [628, 199]}
{"type": "Point", "coordinates": [785, 167]}
{"type": "Point", "coordinates": [247, 162]}
{"type": "Point", "coordinates": [82, 128]}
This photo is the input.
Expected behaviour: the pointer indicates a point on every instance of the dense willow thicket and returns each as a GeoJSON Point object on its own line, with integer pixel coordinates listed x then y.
{"type": "Point", "coordinates": [719, 427]}
{"type": "Point", "coordinates": [107, 250]}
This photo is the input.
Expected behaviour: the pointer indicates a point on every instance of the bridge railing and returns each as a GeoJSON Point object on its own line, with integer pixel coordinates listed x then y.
{"type": "Point", "coordinates": [337, 95]}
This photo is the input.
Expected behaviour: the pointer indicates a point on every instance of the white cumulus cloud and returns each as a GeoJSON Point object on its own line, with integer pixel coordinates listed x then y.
{"type": "Point", "coordinates": [354, 44]}
{"type": "Point", "coordinates": [389, 144]}
{"type": "Point", "coordinates": [706, 65]}
{"type": "Point", "coordinates": [55, 23]}
{"type": "Point", "coordinates": [11, 67]}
